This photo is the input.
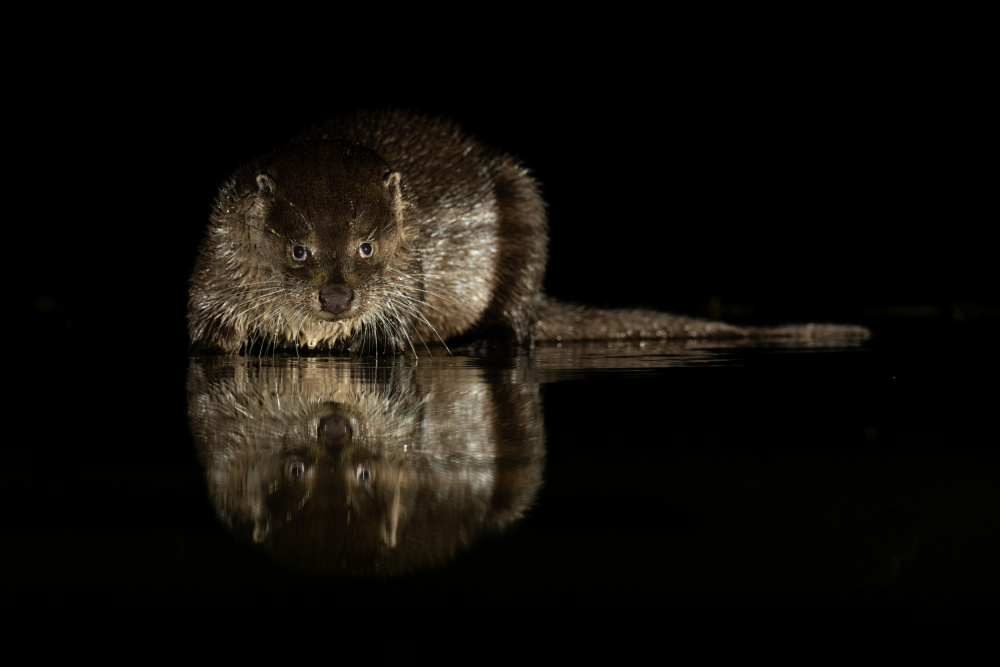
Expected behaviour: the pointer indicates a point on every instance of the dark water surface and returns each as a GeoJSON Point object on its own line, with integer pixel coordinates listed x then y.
{"type": "Point", "coordinates": [624, 492]}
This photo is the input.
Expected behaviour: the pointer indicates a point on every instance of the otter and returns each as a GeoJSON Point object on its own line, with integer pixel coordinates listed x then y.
{"type": "Point", "coordinates": [388, 230]}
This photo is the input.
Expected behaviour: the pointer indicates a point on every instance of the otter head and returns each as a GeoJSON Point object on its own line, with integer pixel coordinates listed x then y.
{"type": "Point", "coordinates": [326, 218]}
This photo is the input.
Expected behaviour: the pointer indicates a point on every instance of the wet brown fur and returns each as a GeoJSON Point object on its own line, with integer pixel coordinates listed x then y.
{"type": "Point", "coordinates": [459, 242]}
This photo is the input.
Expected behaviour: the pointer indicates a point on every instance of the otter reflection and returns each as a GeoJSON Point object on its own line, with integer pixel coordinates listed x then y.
{"type": "Point", "coordinates": [361, 466]}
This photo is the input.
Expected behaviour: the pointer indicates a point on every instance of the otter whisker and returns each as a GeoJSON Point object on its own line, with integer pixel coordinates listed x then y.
{"type": "Point", "coordinates": [420, 316]}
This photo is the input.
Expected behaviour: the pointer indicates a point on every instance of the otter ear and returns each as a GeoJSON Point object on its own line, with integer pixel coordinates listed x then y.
{"type": "Point", "coordinates": [265, 185]}
{"type": "Point", "coordinates": [393, 192]}
{"type": "Point", "coordinates": [260, 200]}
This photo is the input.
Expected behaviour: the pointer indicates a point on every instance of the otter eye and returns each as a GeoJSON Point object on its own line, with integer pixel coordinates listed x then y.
{"type": "Point", "coordinates": [363, 473]}
{"type": "Point", "coordinates": [300, 253]}
{"type": "Point", "coordinates": [366, 249]}
{"type": "Point", "coordinates": [297, 469]}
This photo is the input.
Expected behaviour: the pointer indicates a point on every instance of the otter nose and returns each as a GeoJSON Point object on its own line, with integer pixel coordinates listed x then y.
{"type": "Point", "coordinates": [336, 299]}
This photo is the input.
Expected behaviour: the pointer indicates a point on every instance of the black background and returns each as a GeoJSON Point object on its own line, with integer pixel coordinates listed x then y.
{"type": "Point", "coordinates": [759, 176]}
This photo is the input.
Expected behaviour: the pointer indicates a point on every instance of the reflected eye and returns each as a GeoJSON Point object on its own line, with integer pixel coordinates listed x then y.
{"type": "Point", "coordinates": [366, 249]}
{"type": "Point", "coordinates": [300, 253]}
{"type": "Point", "coordinates": [297, 469]}
{"type": "Point", "coordinates": [363, 473]}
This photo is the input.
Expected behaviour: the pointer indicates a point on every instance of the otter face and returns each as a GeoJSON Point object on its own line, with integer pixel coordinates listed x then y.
{"type": "Point", "coordinates": [324, 221]}
{"type": "Point", "coordinates": [308, 248]}
{"type": "Point", "coordinates": [329, 219]}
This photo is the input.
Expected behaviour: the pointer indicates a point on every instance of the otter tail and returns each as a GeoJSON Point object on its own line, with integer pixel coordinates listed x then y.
{"type": "Point", "coordinates": [558, 321]}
